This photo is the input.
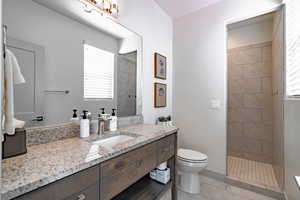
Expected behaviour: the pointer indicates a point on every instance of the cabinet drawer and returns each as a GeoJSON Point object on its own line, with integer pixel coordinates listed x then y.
{"type": "Point", "coordinates": [76, 183]}
{"type": "Point", "coordinates": [165, 148]}
{"type": "Point", "coordinates": [91, 193]}
{"type": "Point", "coordinates": [66, 187]}
{"type": "Point", "coordinates": [119, 173]}
{"type": "Point", "coordinates": [45, 193]}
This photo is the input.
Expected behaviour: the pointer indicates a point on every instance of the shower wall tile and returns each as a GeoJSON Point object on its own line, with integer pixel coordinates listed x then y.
{"type": "Point", "coordinates": [268, 68]}
{"type": "Point", "coordinates": [235, 115]}
{"type": "Point", "coordinates": [250, 112]}
{"type": "Point", "coordinates": [236, 129]}
{"type": "Point", "coordinates": [235, 72]}
{"type": "Point", "coordinates": [256, 70]}
{"type": "Point", "coordinates": [267, 85]}
{"type": "Point", "coordinates": [246, 56]}
{"type": "Point", "coordinates": [258, 131]}
{"type": "Point", "coordinates": [236, 100]}
{"type": "Point", "coordinates": [267, 53]}
{"type": "Point", "coordinates": [252, 146]}
{"type": "Point", "coordinates": [253, 100]}
{"type": "Point", "coordinates": [268, 149]}
{"type": "Point", "coordinates": [252, 115]}
{"type": "Point", "coordinates": [253, 85]}
{"type": "Point", "coordinates": [236, 86]}
{"type": "Point", "coordinates": [268, 116]}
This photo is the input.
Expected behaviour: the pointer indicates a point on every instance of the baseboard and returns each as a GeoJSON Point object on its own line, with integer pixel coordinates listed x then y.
{"type": "Point", "coordinates": [236, 183]}
{"type": "Point", "coordinates": [214, 175]}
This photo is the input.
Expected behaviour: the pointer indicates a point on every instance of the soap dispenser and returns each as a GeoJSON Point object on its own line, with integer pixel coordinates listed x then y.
{"type": "Point", "coordinates": [84, 125]}
{"type": "Point", "coordinates": [75, 118]}
{"type": "Point", "coordinates": [113, 125]}
{"type": "Point", "coordinates": [104, 115]}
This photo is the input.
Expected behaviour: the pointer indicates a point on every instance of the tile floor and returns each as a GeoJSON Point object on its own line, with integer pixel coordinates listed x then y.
{"type": "Point", "coordinates": [212, 189]}
{"type": "Point", "coordinates": [253, 173]}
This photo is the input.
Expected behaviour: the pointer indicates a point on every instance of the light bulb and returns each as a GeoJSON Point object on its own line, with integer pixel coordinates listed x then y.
{"type": "Point", "coordinates": [100, 4]}
{"type": "Point", "coordinates": [114, 2]}
{"type": "Point", "coordinates": [106, 4]}
{"type": "Point", "coordinates": [114, 9]}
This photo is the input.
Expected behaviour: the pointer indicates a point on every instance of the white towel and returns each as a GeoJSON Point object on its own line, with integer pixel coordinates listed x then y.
{"type": "Point", "coordinates": [12, 75]}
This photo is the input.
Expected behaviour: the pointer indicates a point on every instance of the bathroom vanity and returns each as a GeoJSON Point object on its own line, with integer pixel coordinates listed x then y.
{"type": "Point", "coordinates": [93, 172]}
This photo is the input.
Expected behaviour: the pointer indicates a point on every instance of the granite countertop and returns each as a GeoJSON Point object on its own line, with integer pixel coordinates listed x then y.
{"type": "Point", "coordinates": [47, 163]}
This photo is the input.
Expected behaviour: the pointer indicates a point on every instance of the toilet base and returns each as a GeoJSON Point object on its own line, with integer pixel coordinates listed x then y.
{"type": "Point", "coordinates": [189, 182]}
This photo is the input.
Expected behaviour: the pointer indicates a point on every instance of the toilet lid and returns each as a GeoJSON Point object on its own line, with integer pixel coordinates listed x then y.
{"type": "Point", "coordinates": [191, 155]}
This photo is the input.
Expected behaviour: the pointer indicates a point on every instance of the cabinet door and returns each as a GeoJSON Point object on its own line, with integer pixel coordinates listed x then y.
{"type": "Point", "coordinates": [119, 173]}
{"type": "Point", "coordinates": [165, 148]}
{"type": "Point", "coordinates": [76, 183]}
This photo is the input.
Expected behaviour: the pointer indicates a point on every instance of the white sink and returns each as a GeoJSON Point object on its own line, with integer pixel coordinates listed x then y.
{"type": "Point", "coordinates": [112, 141]}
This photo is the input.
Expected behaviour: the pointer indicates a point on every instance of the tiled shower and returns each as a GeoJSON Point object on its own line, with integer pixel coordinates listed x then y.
{"type": "Point", "coordinates": [254, 125]}
{"type": "Point", "coordinates": [250, 102]}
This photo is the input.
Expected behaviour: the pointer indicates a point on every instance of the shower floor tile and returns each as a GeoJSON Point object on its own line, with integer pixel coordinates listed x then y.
{"type": "Point", "coordinates": [253, 173]}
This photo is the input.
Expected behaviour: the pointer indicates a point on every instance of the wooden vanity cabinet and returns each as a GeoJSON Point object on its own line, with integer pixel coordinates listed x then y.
{"type": "Point", "coordinates": [119, 173]}
{"type": "Point", "coordinates": [110, 178]}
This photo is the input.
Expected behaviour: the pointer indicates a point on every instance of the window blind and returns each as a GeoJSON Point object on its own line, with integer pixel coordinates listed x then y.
{"type": "Point", "coordinates": [98, 73]}
{"type": "Point", "coordinates": [293, 48]}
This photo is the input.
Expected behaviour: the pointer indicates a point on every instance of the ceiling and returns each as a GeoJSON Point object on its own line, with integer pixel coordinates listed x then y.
{"type": "Point", "coordinates": [74, 9]}
{"type": "Point", "coordinates": [179, 8]}
{"type": "Point", "coordinates": [255, 20]}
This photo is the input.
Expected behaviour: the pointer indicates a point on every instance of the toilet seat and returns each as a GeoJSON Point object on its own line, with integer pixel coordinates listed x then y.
{"type": "Point", "coordinates": [191, 156]}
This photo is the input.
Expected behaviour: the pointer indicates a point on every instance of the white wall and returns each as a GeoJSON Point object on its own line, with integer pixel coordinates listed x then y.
{"type": "Point", "coordinates": [129, 44]}
{"type": "Point", "coordinates": [291, 145]}
{"type": "Point", "coordinates": [259, 32]}
{"type": "Point", "coordinates": [200, 75]}
{"type": "Point", "coordinates": [147, 19]}
{"type": "Point", "coordinates": [292, 106]}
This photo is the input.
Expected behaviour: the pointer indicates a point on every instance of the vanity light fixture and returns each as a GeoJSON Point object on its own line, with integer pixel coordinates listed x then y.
{"type": "Point", "coordinates": [109, 7]}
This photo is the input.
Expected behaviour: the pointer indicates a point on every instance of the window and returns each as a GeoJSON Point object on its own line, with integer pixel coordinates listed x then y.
{"type": "Point", "coordinates": [293, 48]}
{"type": "Point", "coordinates": [98, 73]}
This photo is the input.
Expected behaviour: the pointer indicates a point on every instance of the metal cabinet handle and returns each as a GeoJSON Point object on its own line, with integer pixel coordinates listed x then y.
{"type": "Point", "coordinates": [81, 197]}
{"type": "Point", "coordinates": [120, 165]}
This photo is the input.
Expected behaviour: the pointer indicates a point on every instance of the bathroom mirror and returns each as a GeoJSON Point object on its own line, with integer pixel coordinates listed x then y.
{"type": "Point", "coordinates": [71, 57]}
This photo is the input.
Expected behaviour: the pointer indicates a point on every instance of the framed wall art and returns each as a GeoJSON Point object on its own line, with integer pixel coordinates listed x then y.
{"type": "Point", "coordinates": [160, 95]}
{"type": "Point", "coordinates": [160, 66]}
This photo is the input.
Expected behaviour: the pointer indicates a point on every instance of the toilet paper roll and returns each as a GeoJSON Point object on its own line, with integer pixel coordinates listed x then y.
{"type": "Point", "coordinates": [162, 166]}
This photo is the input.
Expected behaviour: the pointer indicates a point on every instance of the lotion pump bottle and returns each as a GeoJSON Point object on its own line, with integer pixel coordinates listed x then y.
{"type": "Point", "coordinates": [84, 125]}
{"type": "Point", "coordinates": [113, 125]}
{"type": "Point", "coordinates": [75, 118]}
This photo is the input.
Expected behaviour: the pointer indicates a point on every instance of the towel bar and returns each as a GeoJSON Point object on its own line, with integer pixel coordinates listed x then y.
{"type": "Point", "coordinates": [58, 91]}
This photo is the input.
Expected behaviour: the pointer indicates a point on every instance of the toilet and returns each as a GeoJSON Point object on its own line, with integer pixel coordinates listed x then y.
{"type": "Point", "coordinates": [189, 165]}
